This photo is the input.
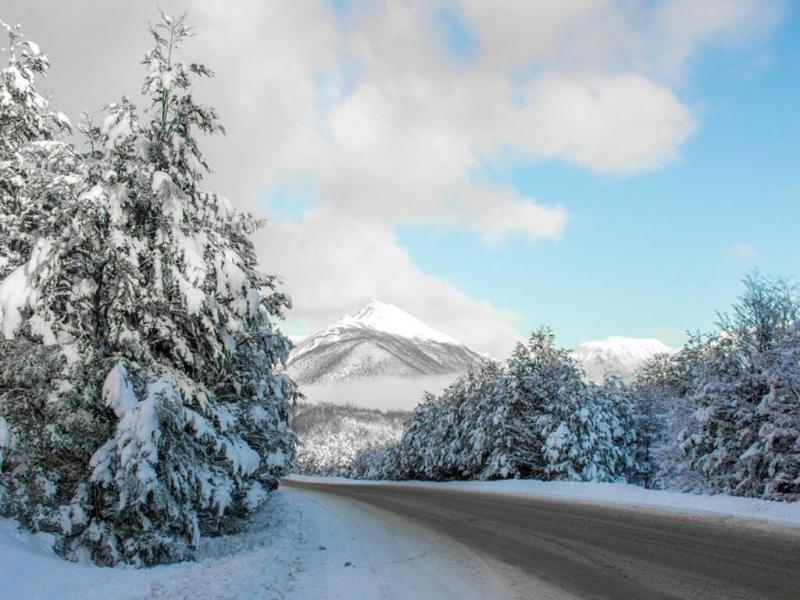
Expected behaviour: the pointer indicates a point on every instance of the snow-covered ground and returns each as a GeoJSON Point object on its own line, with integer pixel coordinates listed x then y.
{"type": "Point", "coordinates": [309, 546]}
{"type": "Point", "coordinates": [260, 563]}
{"type": "Point", "coordinates": [785, 513]}
{"type": "Point", "coordinates": [372, 554]}
{"type": "Point", "coordinates": [302, 546]}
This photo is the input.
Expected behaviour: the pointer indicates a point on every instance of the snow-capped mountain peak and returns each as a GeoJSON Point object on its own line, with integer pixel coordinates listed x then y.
{"type": "Point", "coordinates": [379, 340]}
{"type": "Point", "coordinates": [388, 318]}
{"type": "Point", "coordinates": [633, 348]}
{"type": "Point", "coordinates": [617, 355]}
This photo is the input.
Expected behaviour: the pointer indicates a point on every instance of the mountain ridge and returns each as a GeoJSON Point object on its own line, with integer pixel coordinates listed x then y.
{"type": "Point", "coordinates": [379, 340]}
{"type": "Point", "coordinates": [617, 355]}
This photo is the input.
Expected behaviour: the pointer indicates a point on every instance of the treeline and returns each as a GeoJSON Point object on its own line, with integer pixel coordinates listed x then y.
{"type": "Point", "coordinates": [721, 415]}
{"type": "Point", "coordinates": [330, 436]}
{"type": "Point", "coordinates": [534, 416]}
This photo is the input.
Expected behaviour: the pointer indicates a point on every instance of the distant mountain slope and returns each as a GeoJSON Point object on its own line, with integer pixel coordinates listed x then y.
{"type": "Point", "coordinates": [329, 436]}
{"type": "Point", "coordinates": [380, 340]}
{"type": "Point", "coordinates": [620, 356]}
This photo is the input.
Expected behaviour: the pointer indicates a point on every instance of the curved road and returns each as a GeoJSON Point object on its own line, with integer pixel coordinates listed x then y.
{"type": "Point", "coordinates": [591, 550]}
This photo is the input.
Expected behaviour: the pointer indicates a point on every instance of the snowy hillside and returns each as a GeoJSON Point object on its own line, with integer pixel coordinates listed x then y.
{"type": "Point", "coordinates": [329, 437]}
{"type": "Point", "coordinates": [620, 356]}
{"type": "Point", "coordinates": [380, 340]}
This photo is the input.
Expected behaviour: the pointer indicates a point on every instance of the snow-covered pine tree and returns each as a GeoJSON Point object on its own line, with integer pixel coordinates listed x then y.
{"type": "Point", "coordinates": [560, 427]}
{"type": "Point", "coordinates": [161, 417]}
{"type": "Point", "coordinates": [664, 406]}
{"type": "Point", "coordinates": [617, 445]}
{"type": "Point", "coordinates": [423, 439]}
{"type": "Point", "coordinates": [35, 167]}
{"type": "Point", "coordinates": [484, 452]}
{"type": "Point", "coordinates": [38, 173]}
{"type": "Point", "coordinates": [745, 435]}
{"type": "Point", "coordinates": [458, 435]}
{"type": "Point", "coordinates": [379, 462]}
{"type": "Point", "coordinates": [778, 442]}
{"type": "Point", "coordinates": [537, 374]}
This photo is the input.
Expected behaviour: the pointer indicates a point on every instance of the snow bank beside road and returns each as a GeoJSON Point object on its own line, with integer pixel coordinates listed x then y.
{"type": "Point", "coordinates": [302, 546]}
{"type": "Point", "coordinates": [259, 563]}
{"type": "Point", "coordinates": [785, 513]}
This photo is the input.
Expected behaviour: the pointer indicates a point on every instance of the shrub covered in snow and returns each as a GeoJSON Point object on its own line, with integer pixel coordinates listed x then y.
{"type": "Point", "coordinates": [139, 405]}
{"type": "Point", "coordinates": [532, 417]}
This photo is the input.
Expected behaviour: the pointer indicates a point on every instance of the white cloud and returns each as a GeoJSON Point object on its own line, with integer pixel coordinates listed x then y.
{"type": "Point", "coordinates": [389, 129]}
{"type": "Point", "coordinates": [744, 252]}
{"type": "Point", "coordinates": [658, 38]}
{"type": "Point", "coordinates": [383, 393]}
{"type": "Point", "coordinates": [682, 27]}
{"type": "Point", "coordinates": [332, 265]}
{"type": "Point", "coordinates": [496, 212]}
{"type": "Point", "coordinates": [616, 123]}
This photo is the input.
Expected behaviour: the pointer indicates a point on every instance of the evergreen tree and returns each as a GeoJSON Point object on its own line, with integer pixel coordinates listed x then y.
{"type": "Point", "coordinates": [617, 442]}
{"type": "Point", "coordinates": [745, 434]}
{"type": "Point", "coordinates": [664, 406]}
{"type": "Point", "coordinates": [164, 418]}
{"type": "Point", "coordinates": [485, 451]}
{"type": "Point", "coordinates": [562, 428]}
{"type": "Point", "coordinates": [34, 165]}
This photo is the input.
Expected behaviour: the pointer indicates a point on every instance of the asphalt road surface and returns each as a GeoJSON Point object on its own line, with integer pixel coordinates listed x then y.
{"type": "Point", "coordinates": [591, 550]}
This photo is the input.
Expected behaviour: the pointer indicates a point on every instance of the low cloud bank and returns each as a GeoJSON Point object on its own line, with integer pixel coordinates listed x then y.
{"type": "Point", "coordinates": [383, 393]}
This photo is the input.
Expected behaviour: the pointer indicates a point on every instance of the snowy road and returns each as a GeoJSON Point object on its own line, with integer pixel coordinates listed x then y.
{"type": "Point", "coordinates": [561, 548]}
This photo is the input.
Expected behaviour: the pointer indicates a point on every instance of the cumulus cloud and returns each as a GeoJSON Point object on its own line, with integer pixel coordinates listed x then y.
{"type": "Point", "coordinates": [331, 265]}
{"type": "Point", "coordinates": [623, 122]}
{"type": "Point", "coordinates": [744, 252]}
{"type": "Point", "coordinates": [681, 27]}
{"type": "Point", "coordinates": [371, 107]}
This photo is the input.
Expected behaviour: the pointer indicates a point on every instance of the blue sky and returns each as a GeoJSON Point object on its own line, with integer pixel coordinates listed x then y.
{"type": "Point", "coordinates": [654, 253]}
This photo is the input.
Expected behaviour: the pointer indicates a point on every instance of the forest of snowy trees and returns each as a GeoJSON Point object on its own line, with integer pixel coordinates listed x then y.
{"type": "Point", "coordinates": [330, 436]}
{"type": "Point", "coordinates": [534, 416]}
{"type": "Point", "coordinates": [722, 415]}
{"type": "Point", "coordinates": [139, 404]}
